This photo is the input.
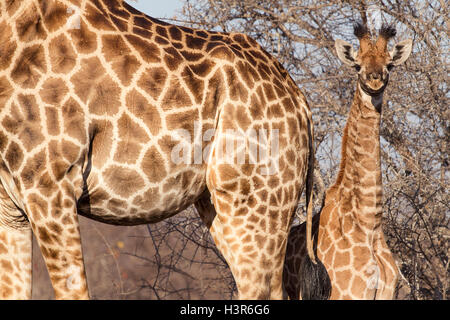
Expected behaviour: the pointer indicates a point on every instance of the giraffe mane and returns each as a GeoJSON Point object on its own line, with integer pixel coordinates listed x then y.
{"type": "Point", "coordinates": [341, 171]}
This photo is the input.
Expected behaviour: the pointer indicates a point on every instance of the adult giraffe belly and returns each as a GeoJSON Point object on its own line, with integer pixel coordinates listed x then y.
{"type": "Point", "coordinates": [123, 195]}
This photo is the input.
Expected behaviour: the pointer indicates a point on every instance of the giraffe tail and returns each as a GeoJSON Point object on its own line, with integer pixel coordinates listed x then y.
{"type": "Point", "coordinates": [315, 284]}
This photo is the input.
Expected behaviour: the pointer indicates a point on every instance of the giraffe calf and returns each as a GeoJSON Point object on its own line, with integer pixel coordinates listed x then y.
{"type": "Point", "coordinates": [348, 232]}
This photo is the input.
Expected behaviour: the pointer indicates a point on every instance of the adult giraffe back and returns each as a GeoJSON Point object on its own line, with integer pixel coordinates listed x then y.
{"type": "Point", "coordinates": [96, 97]}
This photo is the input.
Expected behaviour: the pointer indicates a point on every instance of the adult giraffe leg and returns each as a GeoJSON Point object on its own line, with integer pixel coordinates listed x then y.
{"type": "Point", "coordinates": [15, 263]}
{"type": "Point", "coordinates": [53, 217]}
{"type": "Point", "coordinates": [251, 223]}
{"type": "Point", "coordinates": [254, 256]}
{"type": "Point", "coordinates": [15, 245]}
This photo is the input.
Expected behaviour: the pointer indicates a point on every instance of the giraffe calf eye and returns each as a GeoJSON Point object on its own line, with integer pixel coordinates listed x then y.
{"type": "Point", "coordinates": [390, 66]}
{"type": "Point", "coordinates": [357, 67]}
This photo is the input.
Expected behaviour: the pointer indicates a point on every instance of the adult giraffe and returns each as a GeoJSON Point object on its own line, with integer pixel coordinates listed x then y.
{"type": "Point", "coordinates": [350, 240]}
{"type": "Point", "coordinates": [94, 99]}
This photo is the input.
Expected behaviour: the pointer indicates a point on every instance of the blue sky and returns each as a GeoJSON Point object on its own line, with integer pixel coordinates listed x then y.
{"type": "Point", "coordinates": [158, 8]}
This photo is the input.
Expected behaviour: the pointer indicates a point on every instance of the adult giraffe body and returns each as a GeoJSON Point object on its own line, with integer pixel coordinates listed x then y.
{"type": "Point", "coordinates": [350, 239]}
{"type": "Point", "coordinates": [94, 98]}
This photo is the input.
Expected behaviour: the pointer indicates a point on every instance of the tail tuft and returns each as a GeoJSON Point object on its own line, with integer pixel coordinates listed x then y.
{"type": "Point", "coordinates": [315, 283]}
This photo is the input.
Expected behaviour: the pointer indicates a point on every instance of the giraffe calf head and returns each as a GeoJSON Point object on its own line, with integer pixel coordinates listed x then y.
{"type": "Point", "coordinates": [373, 61]}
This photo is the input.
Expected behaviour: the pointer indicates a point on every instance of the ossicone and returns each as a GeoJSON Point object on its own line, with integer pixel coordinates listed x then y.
{"type": "Point", "coordinates": [387, 32]}
{"type": "Point", "coordinates": [360, 30]}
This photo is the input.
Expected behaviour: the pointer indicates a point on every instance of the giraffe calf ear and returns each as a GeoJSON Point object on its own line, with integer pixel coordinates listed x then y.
{"type": "Point", "coordinates": [345, 52]}
{"type": "Point", "coordinates": [401, 52]}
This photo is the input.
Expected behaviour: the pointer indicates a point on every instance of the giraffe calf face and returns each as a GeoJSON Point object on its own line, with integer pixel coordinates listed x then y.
{"type": "Point", "coordinates": [373, 61]}
{"type": "Point", "coordinates": [373, 70]}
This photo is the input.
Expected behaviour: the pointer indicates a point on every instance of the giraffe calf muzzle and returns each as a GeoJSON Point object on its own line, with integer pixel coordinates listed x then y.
{"type": "Point", "coordinates": [375, 76]}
